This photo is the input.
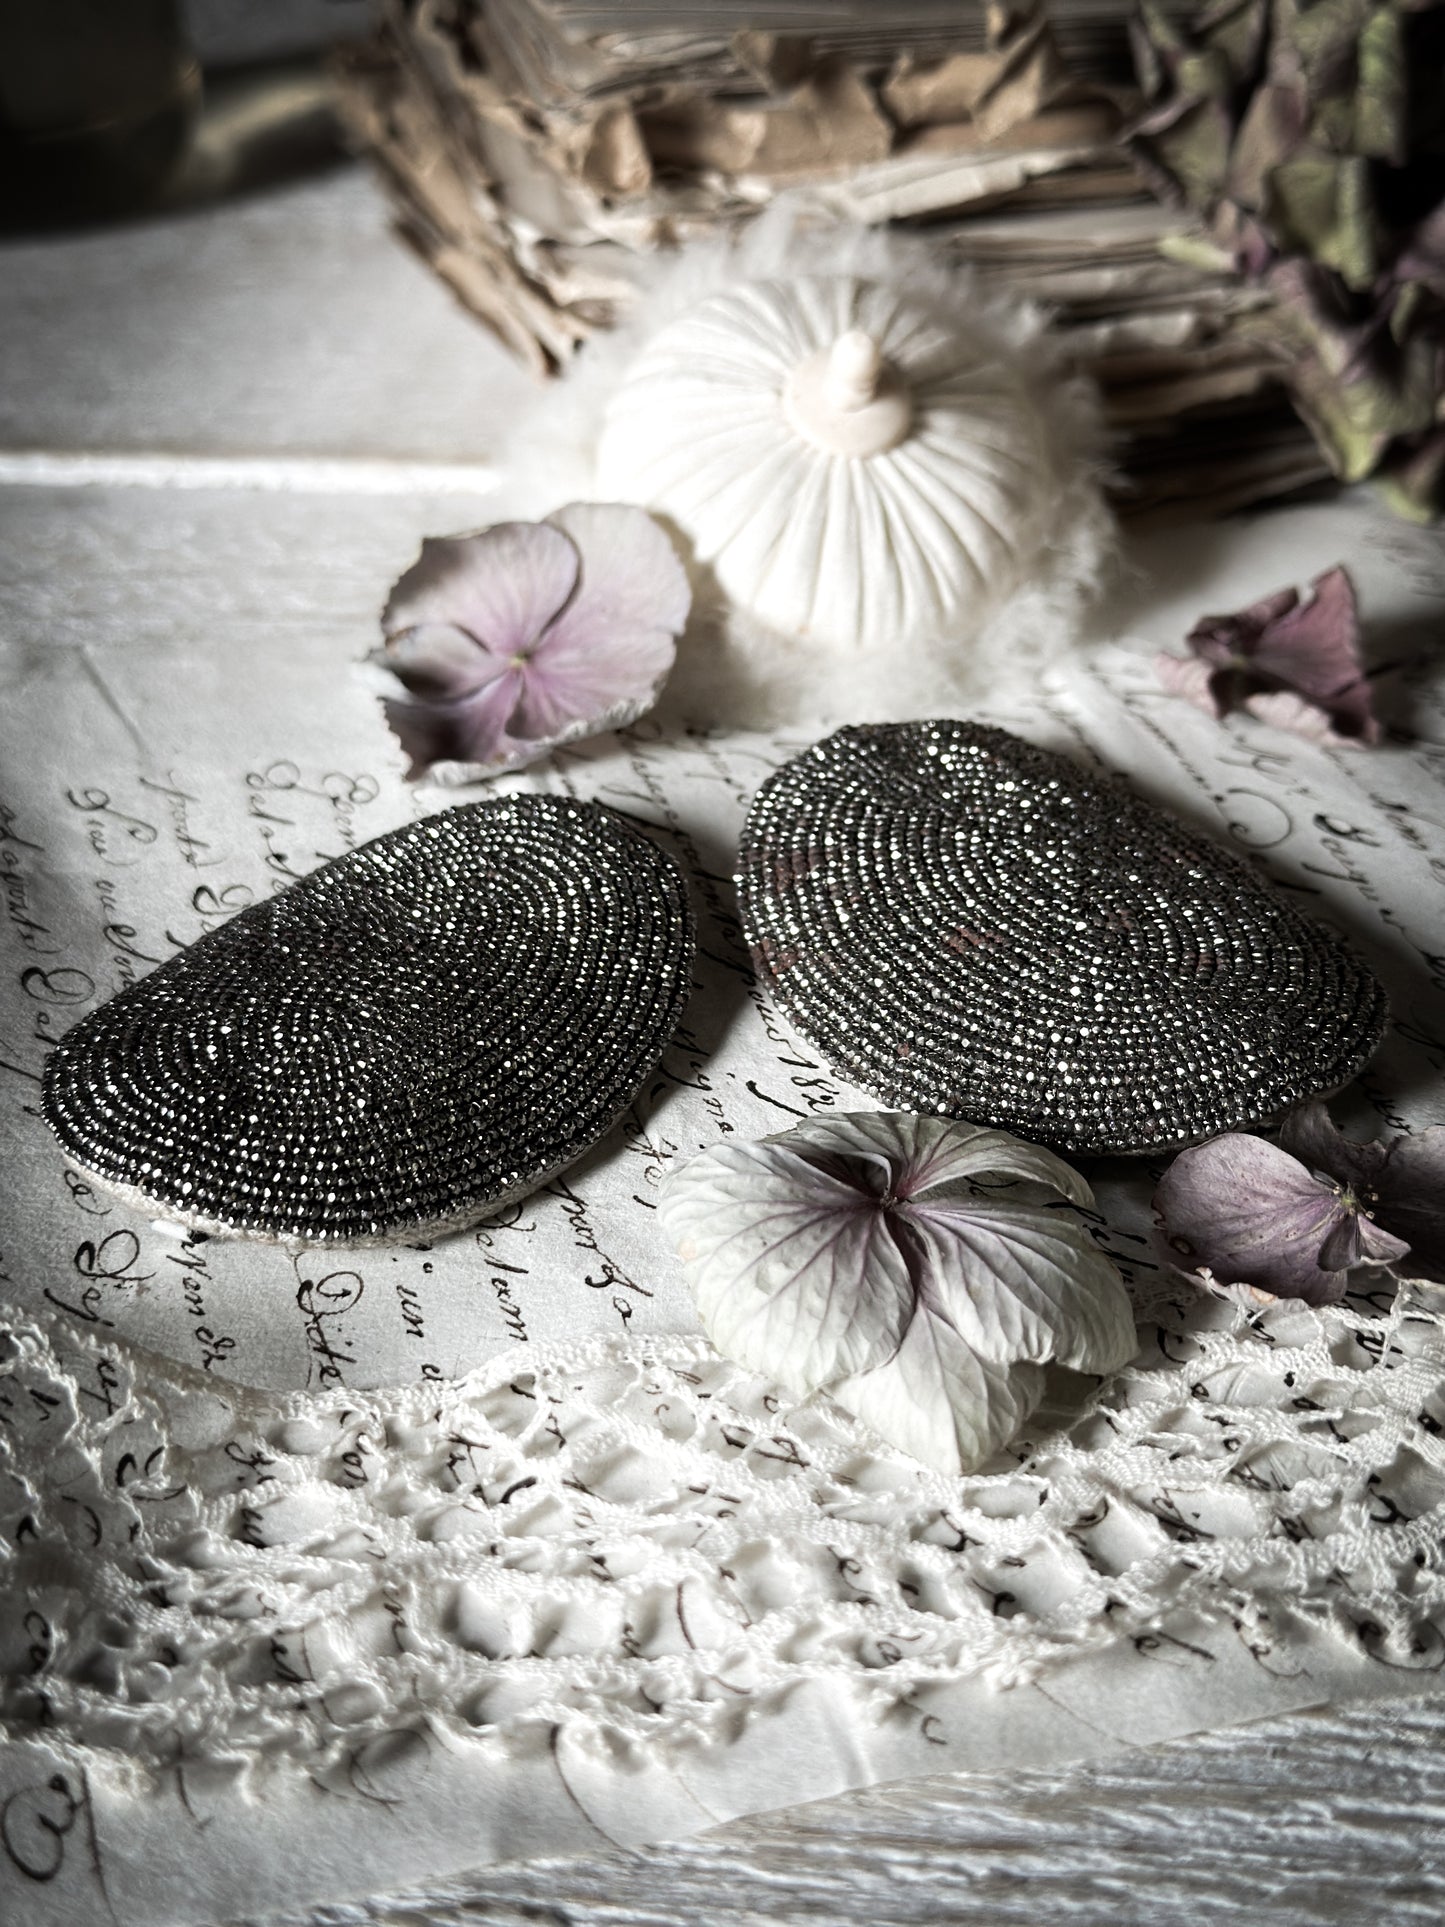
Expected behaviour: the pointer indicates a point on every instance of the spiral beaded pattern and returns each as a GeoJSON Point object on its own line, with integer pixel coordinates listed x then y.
{"type": "Point", "coordinates": [964, 924]}
{"type": "Point", "coordinates": [396, 1046]}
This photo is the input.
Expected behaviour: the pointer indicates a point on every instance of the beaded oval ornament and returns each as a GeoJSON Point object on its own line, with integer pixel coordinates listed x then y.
{"type": "Point", "coordinates": [964, 924]}
{"type": "Point", "coordinates": [396, 1046]}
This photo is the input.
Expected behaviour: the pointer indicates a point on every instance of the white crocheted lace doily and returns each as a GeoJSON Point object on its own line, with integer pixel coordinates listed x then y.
{"type": "Point", "coordinates": [642, 1541]}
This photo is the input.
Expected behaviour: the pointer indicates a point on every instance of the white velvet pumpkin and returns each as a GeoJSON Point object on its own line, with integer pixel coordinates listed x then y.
{"type": "Point", "coordinates": [900, 557]}
{"type": "Point", "coordinates": [851, 464]}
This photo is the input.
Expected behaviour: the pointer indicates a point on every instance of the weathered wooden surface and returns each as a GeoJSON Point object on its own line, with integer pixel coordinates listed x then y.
{"type": "Point", "coordinates": [1318, 1819]}
{"type": "Point", "coordinates": [286, 323]}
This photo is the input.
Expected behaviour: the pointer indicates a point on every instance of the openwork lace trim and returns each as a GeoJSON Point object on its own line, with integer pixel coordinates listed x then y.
{"type": "Point", "coordinates": [643, 1541]}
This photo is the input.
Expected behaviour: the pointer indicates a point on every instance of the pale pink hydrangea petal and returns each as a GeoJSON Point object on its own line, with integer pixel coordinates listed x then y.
{"type": "Point", "coordinates": [609, 650]}
{"type": "Point", "coordinates": [437, 662]}
{"type": "Point", "coordinates": [602, 681]}
{"type": "Point", "coordinates": [504, 644]}
{"type": "Point", "coordinates": [631, 575]}
{"type": "Point", "coordinates": [1247, 1212]}
{"type": "Point", "coordinates": [502, 586]}
{"type": "Point", "coordinates": [1190, 678]}
{"type": "Point", "coordinates": [1282, 709]}
{"type": "Point", "coordinates": [1400, 1180]}
{"type": "Point", "coordinates": [470, 734]}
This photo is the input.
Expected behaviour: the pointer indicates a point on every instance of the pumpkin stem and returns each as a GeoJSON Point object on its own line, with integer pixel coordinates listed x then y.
{"type": "Point", "coordinates": [855, 368]}
{"type": "Point", "coordinates": [846, 400]}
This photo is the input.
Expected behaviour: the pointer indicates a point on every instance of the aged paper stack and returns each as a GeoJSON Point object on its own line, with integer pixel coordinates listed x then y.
{"type": "Point", "coordinates": [542, 150]}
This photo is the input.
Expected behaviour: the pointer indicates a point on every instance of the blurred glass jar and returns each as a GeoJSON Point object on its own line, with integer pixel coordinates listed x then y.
{"type": "Point", "coordinates": [97, 101]}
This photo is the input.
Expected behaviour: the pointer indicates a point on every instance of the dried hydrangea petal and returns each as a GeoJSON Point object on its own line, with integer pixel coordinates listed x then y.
{"type": "Point", "coordinates": [508, 643]}
{"type": "Point", "coordinates": [1248, 1213]}
{"type": "Point", "coordinates": [616, 634]}
{"type": "Point", "coordinates": [500, 586]}
{"type": "Point", "coordinates": [461, 733]}
{"type": "Point", "coordinates": [1296, 664]}
{"type": "Point", "coordinates": [1402, 1179]}
{"type": "Point", "coordinates": [1313, 648]}
{"type": "Point", "coordinates": [1302, 136]}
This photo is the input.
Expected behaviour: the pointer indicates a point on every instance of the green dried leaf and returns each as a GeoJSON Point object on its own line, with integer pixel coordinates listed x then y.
{"type": "Point", "coordinates": [1274, 124]}
{"type": "Point", "coordinates": [1197, 250]}
{"type": "Point", "coordinates": [1194, 151]}
{"type": "Point", "coordinates": [1322, 205]}
{"type": "Point", "coordinates": [1310, 135]}
{"type": "Point", "coordinates": [1238, 33]}
{"type": "Point", "coordinates": [1413, 482]}
{"type": "Point", "coordinates": [1356, 417]}
{"type": "Point", "coordinates": [1323, 36]}
{"type": "Point", "coordinates": [1382, 99]}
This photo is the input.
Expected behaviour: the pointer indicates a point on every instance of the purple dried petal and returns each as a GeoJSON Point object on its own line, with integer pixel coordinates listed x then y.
{"type": "Point", "coordinates": [631, 575]}
{"type": "Point", "coordinates": [437, 662]}
{"type": "Point", "coordinates": [1342, 1246]}
{"type": "Point", "coordinates": [471, 732]}
{"type": "Point", "coordinates": [1295, 664]}
{"type": "Point", "coordinates": [609, 649]}
{"type": "Point", "coordinates": [1314, 649]}
{"type": "Point", "coordinates": [1402, 1182]}
{"type": "Point", "coordinates": [504, 644]}
{"type": "Point", "coordinates": [1249, 1213]}
{"type": "Point", "coordinates": [501, 586]}
{"type": "Point", "coordinates": [1411, 1192]}
{"type": "Point", "coordinates": [1310, 1135]}
{"type": "Point", "coordinates": [1357, 1240]}
{"type": "Point", "coordinates": [1229, 642]}
{"type": "Point", "coordinates": [1379, 1246]}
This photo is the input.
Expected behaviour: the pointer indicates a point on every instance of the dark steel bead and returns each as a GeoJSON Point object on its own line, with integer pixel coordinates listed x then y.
{"type": "Point", "coordinates": [399, 1044]}
{"type": "Point", "coordinates": [964, 924]}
